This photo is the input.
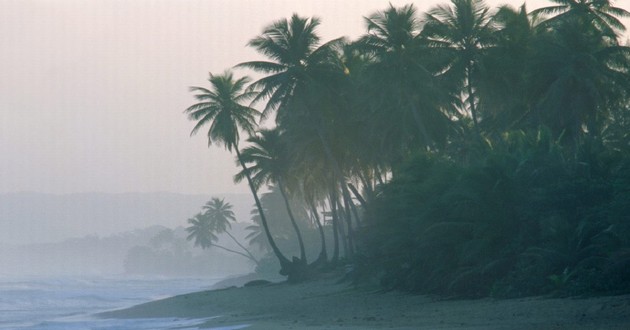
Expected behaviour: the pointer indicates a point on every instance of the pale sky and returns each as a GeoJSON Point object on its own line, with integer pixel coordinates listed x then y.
{"type": "Point", "coordinates": [92, 92]}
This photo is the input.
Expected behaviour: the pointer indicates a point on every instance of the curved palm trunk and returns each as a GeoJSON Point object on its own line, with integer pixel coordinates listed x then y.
{"type": "Point", "coordinates": [335, 165]}
{"type": "Point", "coordinates": [323, 254]}
{"type": "Point", "coordinates": [242, 247]}
{"type": "Point", "coordinates": [337, 175]}
{"type": "Point", "coordinates": [355, 213]}
{"type": "Point", "coordinates": [284, 262]}
{"type": "Point", "coordinates": [357, 195]}
{"type": "Point", "coordinates": [293, 222]}
{"type": "Point", "coordinates": [234, 251]}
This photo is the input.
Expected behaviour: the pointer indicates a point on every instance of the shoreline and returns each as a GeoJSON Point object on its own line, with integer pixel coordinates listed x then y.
{"type": "Point", "coordinates": [327, 304]}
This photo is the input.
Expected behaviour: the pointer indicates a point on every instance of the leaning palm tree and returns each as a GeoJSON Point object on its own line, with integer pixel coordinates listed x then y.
{"type": "Point", "coordinates": [461, 31]}
{"type": "Point", "coordinates": [221, 108]}
{"type": "Point", "coordinates": [220, 215]}
{"type": "Point", "coordinates": [269, 163]}
{"type": "Point", "coordinates": [201, 231]}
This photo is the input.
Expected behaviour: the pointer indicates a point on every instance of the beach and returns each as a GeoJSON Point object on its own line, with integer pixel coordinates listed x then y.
{"type": "Point", "coordinates": [328, 304]}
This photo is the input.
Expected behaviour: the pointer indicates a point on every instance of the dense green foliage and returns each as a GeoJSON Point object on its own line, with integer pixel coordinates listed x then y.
{"type": "Point", "coordinates": [524, 218]}
{"type": "Point", "coordinates": [463, 151]}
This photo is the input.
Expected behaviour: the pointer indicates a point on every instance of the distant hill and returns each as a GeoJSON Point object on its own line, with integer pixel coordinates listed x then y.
{"type": "Point", "coordinates": [139, 252]}
{"type": "Point", "coordinates": [27, 218]}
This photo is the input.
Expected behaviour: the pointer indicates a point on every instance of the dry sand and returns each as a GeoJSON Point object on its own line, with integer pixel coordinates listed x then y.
{"type": "Point", "coordinates": [326, 304]}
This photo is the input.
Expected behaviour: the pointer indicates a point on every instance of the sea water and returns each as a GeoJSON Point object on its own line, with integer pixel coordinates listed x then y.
{"type": "Point", "coordinates": [69, 303]}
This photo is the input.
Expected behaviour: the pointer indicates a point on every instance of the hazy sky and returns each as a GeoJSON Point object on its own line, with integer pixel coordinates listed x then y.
{"type": "Point", "coordinates": [92, 92]}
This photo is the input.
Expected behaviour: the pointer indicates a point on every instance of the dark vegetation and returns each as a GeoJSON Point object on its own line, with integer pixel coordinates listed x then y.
{"type": "Point", "coordinates": [466, 151]}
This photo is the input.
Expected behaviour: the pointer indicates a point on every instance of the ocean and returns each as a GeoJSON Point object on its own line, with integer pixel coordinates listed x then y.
{"type": "Point", "coordinates": [69, 303]}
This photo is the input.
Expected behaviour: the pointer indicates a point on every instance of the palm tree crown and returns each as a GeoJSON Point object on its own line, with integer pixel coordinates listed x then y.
{"type": "Point", "coordinates": [220, 108]}
{"type": "Point", "coordinates": [200, 230]}
{"type": "Point", "coordinates": [220, 214]}
{"type": "Point", "coordinates": [599, 13]}
{"type": "Point", "coordinates": [288, 43]}
{"type": "Point", "coordinates": [461, 31]}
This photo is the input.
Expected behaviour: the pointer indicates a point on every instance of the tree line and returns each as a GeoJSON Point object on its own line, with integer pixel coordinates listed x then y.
{"type": "Point", "coordinates": [455, 151]}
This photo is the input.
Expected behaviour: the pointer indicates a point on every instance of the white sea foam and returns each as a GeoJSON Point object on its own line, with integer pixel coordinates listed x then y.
{"type": "Point", "coordinates": [68, 303]}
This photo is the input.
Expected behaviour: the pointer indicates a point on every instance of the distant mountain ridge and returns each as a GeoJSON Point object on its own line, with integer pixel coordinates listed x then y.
{"type": "Point", "coordinates": [27, 218]}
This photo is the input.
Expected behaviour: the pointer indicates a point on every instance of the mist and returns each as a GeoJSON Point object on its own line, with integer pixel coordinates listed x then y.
{"type": "Point", "coordinates": [97, 234]}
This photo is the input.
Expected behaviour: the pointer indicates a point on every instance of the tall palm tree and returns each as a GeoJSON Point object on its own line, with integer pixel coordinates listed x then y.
{"type": "Point", "coordinates": [221, 108]}
{"type": "Point", "coordinates": [269, 163]}
{"type": "Point", "coordinates": [601, 14]}
{"type": "Point", "coordinates": [220, 215]}
{"type": "Point", "coordinates": [462, 31]}
{"type": "Point", "coordinates": [399, 84]}
{"type": "Point", "coordinates": [304, 80]}
{"type": "Point", "coordinates": [298, 58]}
{"type": "Point", "coordinates": [502, 84]}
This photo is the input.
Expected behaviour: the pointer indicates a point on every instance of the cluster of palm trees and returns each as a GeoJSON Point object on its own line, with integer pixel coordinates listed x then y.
{"type": "Point", "coordinates": [348, 113]}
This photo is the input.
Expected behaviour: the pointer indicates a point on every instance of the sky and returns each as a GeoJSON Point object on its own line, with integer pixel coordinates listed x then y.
{"type": "Point", "coordinates": [92, 92]}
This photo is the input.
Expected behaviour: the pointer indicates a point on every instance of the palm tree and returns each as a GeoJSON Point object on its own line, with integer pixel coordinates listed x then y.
{"type": "Point", "coordinates": [220, 214]}
{"type": "Point", "coordinates": [294, 47]}
{"type": "Point", "coordinates": [221, 108]}
{"type": "Point", "coordinates": [201, 231]}
{"type": "Point", "coordinates": [304, 80]}
{"type": "Point", "coordinates": [269, 163]}
{"type": "Point", "coordinates": [578, 78]}
{"type": "Point", "coordinates": [462, 31]}
{"type": "Point", "coordinates": [502, 82]}
{"type": "Point", "coordinates": [600, 14]}
{"type": "Point", "coordinates": [400, 87]}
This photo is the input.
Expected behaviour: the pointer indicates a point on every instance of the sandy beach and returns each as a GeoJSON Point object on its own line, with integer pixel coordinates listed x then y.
{"type": "Point", "coordinates": [327, 304]}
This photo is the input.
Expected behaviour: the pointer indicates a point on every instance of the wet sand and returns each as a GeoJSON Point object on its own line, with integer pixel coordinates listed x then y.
{"type": "Point", "coordinates": [327, 304]}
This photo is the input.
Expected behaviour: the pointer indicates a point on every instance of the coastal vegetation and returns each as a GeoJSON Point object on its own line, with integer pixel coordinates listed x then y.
{"type": "Point", "coordinates": [465, 151]}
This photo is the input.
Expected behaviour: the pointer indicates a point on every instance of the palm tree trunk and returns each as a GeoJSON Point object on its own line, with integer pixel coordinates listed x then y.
{"type": "Point", "coordinates": [293, 222]}
{"type": "Point", "coordinates": [350, 232]}
{"type": "Point", "coordinates": [355, 212]}
{"type": "Point", "coordinates": [333, 212]}
{"type": "Point", "coordinates": [234, 251]}
{"type": "Point", "coordinates": [335, 165]}
{"type": "Point", "coordinates": [366, 181]}
{"type": "Point", "coordinates": [357, 195]}
{"type": "Point", "coordinates": [471, 98]}
{"type": "Point", "coordinates": [323, 254]}
{"type": "Point", "coordinates": [284, 262]}
{"type": "Point", "coordinates": [341, 229]}
{"type": "Point", "coordinates": [241, 246]}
